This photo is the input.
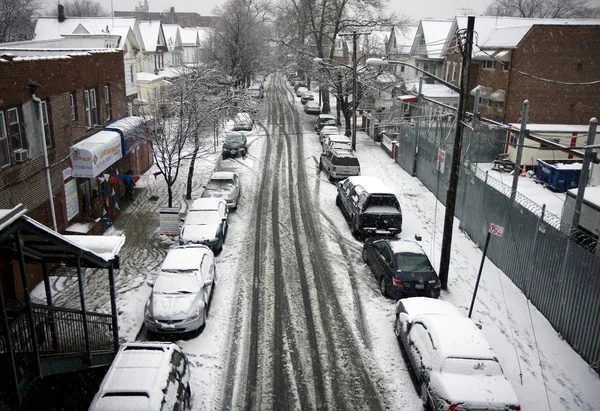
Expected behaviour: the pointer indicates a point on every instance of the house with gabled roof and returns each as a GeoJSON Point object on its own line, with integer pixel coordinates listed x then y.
{"type": "Point", "coordinates": [428, 45]}
{"type": "Point", "coordinates": [190, 42]}
{"type": "Point", "coordinates": [399, 49]}
{"type": "Point", "coordinates": [154, 46]}
{"type": "Point", "coordinates": [174, 55]}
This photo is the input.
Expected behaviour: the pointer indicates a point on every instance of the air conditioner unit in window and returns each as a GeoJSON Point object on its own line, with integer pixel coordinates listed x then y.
{"type": "Point", "coordinates": [21, 155]}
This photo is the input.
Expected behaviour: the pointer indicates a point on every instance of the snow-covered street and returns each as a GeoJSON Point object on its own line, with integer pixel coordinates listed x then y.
{"type": "Point", "coordinates": [297, 320]}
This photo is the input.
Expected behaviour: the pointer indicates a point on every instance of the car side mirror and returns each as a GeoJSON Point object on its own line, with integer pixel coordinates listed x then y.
{"type": "Point", "coordinates": [181, 219]}
{"type": "Point", "coordinates": [150, 284]}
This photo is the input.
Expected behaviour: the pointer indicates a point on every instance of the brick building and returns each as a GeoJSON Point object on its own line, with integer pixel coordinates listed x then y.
{"type": "Point", "coordinates": [81, 92]}
{"type": "Point", "coordinates": [181, 18]}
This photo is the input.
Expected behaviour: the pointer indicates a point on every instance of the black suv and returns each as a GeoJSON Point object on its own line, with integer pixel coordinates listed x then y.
{"type": "Point", "coordinates": [369, 206]}
{"type": "Point", "coordinates": [235, 144]}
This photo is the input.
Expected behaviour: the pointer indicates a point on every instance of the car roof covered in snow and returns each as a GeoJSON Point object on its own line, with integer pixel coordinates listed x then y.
{"type": "Point", "coordinates": [222, 175]}
{"type": "Point", "coordinates": [406, 246]}
{"type": "Point", "coordinates": [416, 306]}
{"type": "Point", "coordinates": [370, 184]}
{"type": "Point", "coordinates": [456, 336]}
{"type": "Point", "coordinates": [184, 258]}
{"type": "Point", "coordinates": [326, 116]}
{"type": "Point", "coordinates": [206, 204]}
{"type": "Point", "coordinates": [338, 138]}
{"type": "Point", "coordinates": [136, 378]}
{"type": "Point", "coordinates": [342, 152]}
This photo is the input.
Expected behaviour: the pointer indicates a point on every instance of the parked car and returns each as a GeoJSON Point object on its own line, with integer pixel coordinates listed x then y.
{"type": "Point", "coordinates": [369, 206]}
{"type": "Point", "coordinates": [324, 119]}
{"type": "Point", "coordinates": [256, 89]}
{"type": "Point", "coordinates": [298, 84]}
{"type": "Point", "coordinates": [235, 144]}
{"type": "Point", "coordinates": [338, 164]}
{"type": "Point", "coordinates": [306, 97]}
{"type": "Point", "coordinates": [206, 223]}
{"type": "Point", "coordinates": [148, 376]}
{"type": "Point", "coordinates": [411, 307]}
{"type": "Point", "coordinates": [225, 185]}
{"type": "Point", "coordinates": [242, 121]}
{"type": "Point", "coordinates": [182, 291]}
{"type": "Point", "coordinates": [401, 268]}
{"type": "Point", "coordinates": [331, 140]}
{"type": "Point", "coordinates": [312, 107]}
{"type": "Point", "coordinates": [327, 131]}
{"type": "Point", "coordinates": [300, 91]}
{"type": "Point", "coordinates": [453, 364]}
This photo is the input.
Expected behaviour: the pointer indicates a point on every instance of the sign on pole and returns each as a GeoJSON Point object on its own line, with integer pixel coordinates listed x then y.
{"type": "Point", "coordinates": [496, 229]}
{"type": "Point", "coordinates": [169, 220]}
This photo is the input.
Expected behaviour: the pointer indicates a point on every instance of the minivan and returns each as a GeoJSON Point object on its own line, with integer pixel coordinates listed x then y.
{"type": "Point", "coordinates": [146, 376]}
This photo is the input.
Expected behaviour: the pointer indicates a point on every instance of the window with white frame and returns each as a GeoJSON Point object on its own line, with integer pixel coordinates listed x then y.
{"type": "Point", "coordinates": [14, 129]}
{"type": "Point", "coordinates": [505, 66]}
{"type": "Point", "coordinates": [500, 106]}
{"type": "Point", "coordinates": [46, 124]}
{"type": "Point", "coordinates": [488, 64]}
{"type": "Point", "coordinates": [86, 105]}
{"type": "Point", "coordinates": [4, 149]}
{"type": "Point", "coordinates": [94, 106]}
{"type": "Point", "coordinates": [132, 73]}
{"type": "Point", "coordinates": [484, 101]}
{"type": "Point", "coordinates": [453, 71]}
{"type": "Point", "coordinates": [107, 102]}
{"type": "Point", "coordinates": [73, 107]}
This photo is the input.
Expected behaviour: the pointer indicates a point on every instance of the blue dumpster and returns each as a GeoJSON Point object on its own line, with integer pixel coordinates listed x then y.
{"type": "Point", "coordinates": [559, 175]}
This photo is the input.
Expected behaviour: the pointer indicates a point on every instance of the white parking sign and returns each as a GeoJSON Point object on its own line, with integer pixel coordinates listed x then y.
{"type": "Point", "coordinates": [496, 229]}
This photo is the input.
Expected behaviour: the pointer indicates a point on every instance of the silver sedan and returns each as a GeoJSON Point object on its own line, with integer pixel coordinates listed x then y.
{"type": "Point", "coordinates": [225, 185]}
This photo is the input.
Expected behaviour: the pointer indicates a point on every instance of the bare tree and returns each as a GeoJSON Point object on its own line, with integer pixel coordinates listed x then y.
{"type": "Point", "coordinates": [239, 43]}
{"type": "Point", "coordinates": [552, 9]}
{"type": "Point", "coordinates": [84, 8]}
{"type": "Point", "coordinates": [16, 19]}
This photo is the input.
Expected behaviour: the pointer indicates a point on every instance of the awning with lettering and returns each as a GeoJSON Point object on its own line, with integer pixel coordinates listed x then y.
{"type": "Point", "coordinates": [96, 153]}
{"type": "Point", "coordinates": [130, 130]}
{"type": "Point", "coordinates": [409, 98]}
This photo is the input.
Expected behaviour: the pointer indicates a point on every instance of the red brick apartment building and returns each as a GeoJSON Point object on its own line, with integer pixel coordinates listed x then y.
{"type": "Point", "coordinates": [81, 92]}
{"type": "Point", "coordinates": [552, 65]}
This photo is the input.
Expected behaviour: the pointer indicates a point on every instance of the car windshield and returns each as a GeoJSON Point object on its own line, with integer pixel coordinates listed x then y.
{"type": "Point", "coordinates": [202, 217]}
{"type": "Point", "coordinates": [220, 184]}
{"type": "Point", "coordinates": [234, 139]}
{"type": "Point", "coordinates": [469, 366]}
{"type": "Point", "coordinates": [413, 262]}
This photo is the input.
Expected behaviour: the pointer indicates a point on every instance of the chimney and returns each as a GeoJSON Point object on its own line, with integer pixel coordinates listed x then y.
{"type": "Point", "coordinates": [61, 13]}
{"type": "Point", "coordinates": [172, 15]}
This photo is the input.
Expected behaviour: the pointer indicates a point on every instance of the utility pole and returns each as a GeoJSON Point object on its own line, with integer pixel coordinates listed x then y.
{"type": "Point", "coordinates": [522, 134]}
{"type": "Point", "coordinates": [467, 51]}
{"type": "Point", "coordinates": [354, 35]}
{"type": "Point", "coordinates": [583, 178]}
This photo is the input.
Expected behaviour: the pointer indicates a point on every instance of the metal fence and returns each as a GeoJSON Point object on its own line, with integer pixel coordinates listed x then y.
{"type": "Point", "coordinates": [559, 276]}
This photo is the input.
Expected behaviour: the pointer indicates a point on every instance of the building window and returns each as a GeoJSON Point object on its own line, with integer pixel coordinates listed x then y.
{"type": "Point", "coordinates": [107, 103]}
{"type": "Point", "coordinates": [505, 66]}
{"type": "Point", "coordinates": [73, 107]}
{"type": "Point", "coordinates": [402, 69]}
{"type": "Point", "coordinates": [4, 150]}
{"type": "Point", "coordinates": [484, 101]}
{"type": "Point", "coordinates": [453, 71]}
{"type": "Point", "coordinates": [91, 108]}
{"type": "Point", "coordinates": [488, 64]}
{"type": "Point", "coordinates": [422, 41]}
{"type": "Point", "coordinates": [132, 73]}
{"type": "Point", "coordinates": [158, 61]}
{"type": "Point", "coordinates": [500, 106]}
{"type": "Point", "coordinates": [14, 129]}
{"type": "Point", "coordinates": [47, 135]}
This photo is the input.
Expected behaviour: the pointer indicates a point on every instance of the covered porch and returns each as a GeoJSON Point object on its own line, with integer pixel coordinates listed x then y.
{"type": "Point", "coordinates": [38, 340]}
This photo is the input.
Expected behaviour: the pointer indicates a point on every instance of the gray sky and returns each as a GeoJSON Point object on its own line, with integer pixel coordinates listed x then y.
{"type": "Point", "coordinates": [418, 9]}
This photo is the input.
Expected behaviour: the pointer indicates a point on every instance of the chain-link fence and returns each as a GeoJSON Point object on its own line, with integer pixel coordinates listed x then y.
{"type": "Point", "coordinates": [556, 266]}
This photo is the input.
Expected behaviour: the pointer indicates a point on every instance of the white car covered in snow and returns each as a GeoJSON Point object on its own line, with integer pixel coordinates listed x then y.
{"type": "Point", "coordinates": [454, 365]}
{"type": "Point", "coordinates": [146, 376]}
{"type": "Point", "coordinates": [182, 291]}
{"type": "Point", "coordinates": [206, 223]}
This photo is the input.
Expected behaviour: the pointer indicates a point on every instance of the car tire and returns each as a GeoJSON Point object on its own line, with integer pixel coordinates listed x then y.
{"type": "Point", "coordinates": [187, 399]}
{"type": "Point", "coordinates": [364, 256]}
{"type": "Point", "coordinates": [338, 201]}
{"type": "Point", "coordinates": [424, 396]}
{"type": "Point", "coordinates": [383, 286]}
{"type": "Point", "coordinates": [224, 156]}
{"type": "Point", "coordinates": [320, 165]}
{"type": "Point", "coordinates": [331, 179]}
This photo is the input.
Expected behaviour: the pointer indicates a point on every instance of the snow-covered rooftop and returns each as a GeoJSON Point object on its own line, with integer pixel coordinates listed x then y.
{"type": "Point", "coordinates": [150, 32]}
{"type": "Point", "coordinates": [435, 33]}
{"type": "Point", "coordinates": [51, 28]}
{"type": "Point", "coordinates": [189, 36]}
{"type": "Point", "coordinates": [591, 195]}
{"type": "Point", "coordinates": [552, 128]}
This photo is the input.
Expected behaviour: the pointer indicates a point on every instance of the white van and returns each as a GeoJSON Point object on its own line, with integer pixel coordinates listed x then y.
{"type": "Point", "coordinates": [146, 376]}
{"type": "Point", "coordinates": [242, 121]}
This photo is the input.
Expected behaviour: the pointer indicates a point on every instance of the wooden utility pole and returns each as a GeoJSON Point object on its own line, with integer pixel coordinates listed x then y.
{"type": "Point", "coordinates": [467, 51]}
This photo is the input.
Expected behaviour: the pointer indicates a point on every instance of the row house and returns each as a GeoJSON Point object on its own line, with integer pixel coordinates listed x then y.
{"type": "Point", "coordinates": [399, 48]}
{"type": "Point", "coordinates": [428, 45]}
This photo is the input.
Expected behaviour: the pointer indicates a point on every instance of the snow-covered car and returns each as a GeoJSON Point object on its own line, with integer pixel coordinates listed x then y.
{"type": "Point", "coordinates": [300, 91]}
{"type": "Point", "coordinates": [338, 164]}
{"type": "Point", "coordinates": [401, 268]}
{"type": "Point", "coordinates": [312, 107]}
{"type": "Point", "coordinates": [454, 365]}
{"type": "Point", "coordinates": [332, 140]}
{"type": "Point", "coordinates": [235, 144]}
{"type": "Point", "coordinates": [148, 376]}
{"type": "Point", "coordinates": [306, 97]}
{"type": "Point", "coordinates": [324, 120]}
{"type": "Point", "coordinates": [327, 131]}
{"type": "Point", "coordinates": [206, 223]}
{"type": "Point", "coordinates": [242, 121]}
{"type": "Point", "coordinates": [225, 185]}
{"type": "Point", "coordinates": [181, 293]}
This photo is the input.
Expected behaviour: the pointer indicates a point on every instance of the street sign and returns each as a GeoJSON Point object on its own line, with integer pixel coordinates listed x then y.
{"type": "Point", "coordinates": [496, 229]}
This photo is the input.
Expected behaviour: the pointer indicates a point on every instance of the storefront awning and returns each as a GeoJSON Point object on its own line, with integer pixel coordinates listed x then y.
{"type": "Point", "coordinates": [497, 95]}
{"type": "Point", "coordinates": [409, 98]}
{"type": "Point", "coordinates": [129, 128]}
{"type": "Point", "coordinates": [95, 154]}
{"type": "Point", "coordinates": [485, 91]}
